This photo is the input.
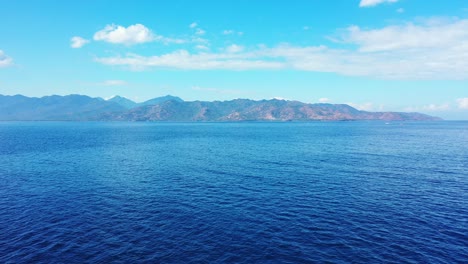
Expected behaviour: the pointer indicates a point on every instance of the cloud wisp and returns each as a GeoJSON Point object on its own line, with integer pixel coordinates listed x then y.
{"type": "Point", "coordinates": [198, 30]}
{"type": "Point", "coordinates": [462, 103]}
{"type": "Point", "coordinates": [113, 83]}
{"type": "Point", "coordinates": [182, 59]}
{"type": "Point", "coordinates": [430, 108]}
{"type": "Point", "coordinates": [371, 3]}
{"type": "Point", "coordinates": [232, 32]}
{"type": "Point", "coordinates": [5, 61]}
{"type": "Point", "coordinates": [78, 42]}
{"type": "Point", "coordinates": [431, 33]}
{"type": "Point", "coordinates": [234, 48]}
{"type": "Point", "coordinates": [368, 106]}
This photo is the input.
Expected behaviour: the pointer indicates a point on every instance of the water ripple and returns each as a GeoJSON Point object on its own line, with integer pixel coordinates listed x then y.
{"type": "Point", "coordinates": [234, 192]}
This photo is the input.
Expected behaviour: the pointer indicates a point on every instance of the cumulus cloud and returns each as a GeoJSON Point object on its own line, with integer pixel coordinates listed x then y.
{"type": "Point", "coordinates": [462, 103]}
{"type": "Point", "coordinates": [193, 25]}
{"type": "Point", "coordinates": [78, 42]}
{"type": "Point", "coordinates": [131, 35]}
{"type": "Point", "coordinates": [324, 100]}
{"type": "Point", "coordinates": [370, 3]}
{"type": "Point", "coordinates": [5, 60]}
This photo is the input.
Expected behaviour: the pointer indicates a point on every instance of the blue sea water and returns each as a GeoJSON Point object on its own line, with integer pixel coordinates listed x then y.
{"type": "Point", "coordinates": [337, 192]}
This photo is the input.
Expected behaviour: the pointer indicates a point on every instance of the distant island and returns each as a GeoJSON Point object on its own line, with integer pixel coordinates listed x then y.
{"type": "Point", "coordinates": [172, 108]}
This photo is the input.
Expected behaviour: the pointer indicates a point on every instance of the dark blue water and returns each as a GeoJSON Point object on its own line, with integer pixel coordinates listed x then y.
{"type": "Point", "coordinates": [362, 192]}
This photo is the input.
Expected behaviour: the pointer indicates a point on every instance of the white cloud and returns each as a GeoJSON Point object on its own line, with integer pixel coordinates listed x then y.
{"type": "Point", "coordinates": [431, 33]}
{"type": "Point", "coordinates": [234, 48]}
{"type": "Point", "coordinates": [131, 35]}
{"type": "Point", "coordinates": [388, 65]}
{"type": "Point", "coordinates": [202, 47]}
{"type": "Point", "coordinates": [400, 10]}
{"type": "Point", "coordinates": [462, 103]}
{"type": "Point", "coordinates": [432, 49]}
{"type": "Point", "coordinates": [114, 83]}
{"type": "Point", "coordinates": [5, 61]}
{"type": "Point", "coordinates": [232, 32]}
{"type": "Point", "coordinates": [429, 108]}
{"type": "Point", "coordinates": [78, 42]}
{"type": "Point", "coordinates": [324, 100]}
{"type": "Point", "coordinates": [370, 3]}
{"type": "Point", "coordinates": [182, 59]}
{"type": "Point", "coordinates": [198, 30]}
{"type": "Point", "coordinates": [172, 40]}
{"type": "Point", "coordinates": [367, 106]}
{"type": "Point", "coordinates": [200, 40]}
{"type": "Point", "coordinates": [435, 107]}
{"type": "Point", "coordinates": [363, 107]}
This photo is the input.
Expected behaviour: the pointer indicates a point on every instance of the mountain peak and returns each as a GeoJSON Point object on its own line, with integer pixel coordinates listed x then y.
{"type": "Point", "coordinates": [161, 99]}
{"type": "Point", "coordinates": [125, 102]}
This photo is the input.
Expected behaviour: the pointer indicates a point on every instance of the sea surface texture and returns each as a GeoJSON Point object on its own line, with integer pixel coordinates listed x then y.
{"type": "Point", "coordinates": [338, 192]}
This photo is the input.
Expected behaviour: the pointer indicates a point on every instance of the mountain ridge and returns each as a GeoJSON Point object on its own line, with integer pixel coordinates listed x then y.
{"type": "Point", "coordinates": [171, 108]}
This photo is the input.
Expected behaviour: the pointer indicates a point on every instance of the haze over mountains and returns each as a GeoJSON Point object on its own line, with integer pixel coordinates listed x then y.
{"type": "Point", "coordinates": [171, 108]}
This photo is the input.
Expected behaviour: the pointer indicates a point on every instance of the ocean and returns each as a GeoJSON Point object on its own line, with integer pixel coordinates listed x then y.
{"type": "Point", "coordinates": [336, 192]}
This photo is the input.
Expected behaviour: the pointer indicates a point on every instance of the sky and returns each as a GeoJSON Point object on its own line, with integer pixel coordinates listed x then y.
{"type": "Point", "coordinates": [376, 55]}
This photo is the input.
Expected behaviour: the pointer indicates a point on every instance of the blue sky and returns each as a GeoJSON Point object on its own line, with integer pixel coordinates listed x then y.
{"type": "Point", "coordinates": [378, 55]}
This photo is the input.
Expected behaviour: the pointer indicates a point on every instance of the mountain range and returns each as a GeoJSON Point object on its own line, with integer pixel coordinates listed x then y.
{"type": "Point", "coordinates": [172, 108]}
